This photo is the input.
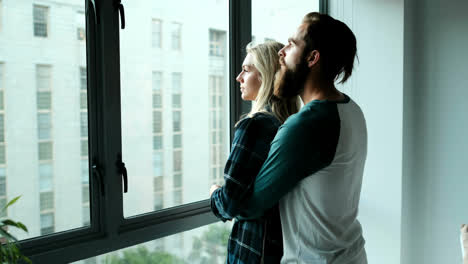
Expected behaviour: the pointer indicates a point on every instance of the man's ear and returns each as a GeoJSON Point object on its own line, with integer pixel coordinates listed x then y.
{"type": "Point", "coordinates": [313, 58]}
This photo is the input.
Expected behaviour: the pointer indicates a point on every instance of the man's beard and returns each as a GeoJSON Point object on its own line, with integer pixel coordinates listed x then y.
{"type": "Point", "coordinates": [290, 83]}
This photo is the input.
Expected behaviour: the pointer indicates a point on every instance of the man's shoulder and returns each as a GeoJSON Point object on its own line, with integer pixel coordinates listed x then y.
{"type": "Point", "coordinates": [312, 115]}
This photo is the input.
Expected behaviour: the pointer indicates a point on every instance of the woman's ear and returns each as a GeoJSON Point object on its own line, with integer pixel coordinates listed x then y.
{"type": "Point", "coordinates": [313, 58]}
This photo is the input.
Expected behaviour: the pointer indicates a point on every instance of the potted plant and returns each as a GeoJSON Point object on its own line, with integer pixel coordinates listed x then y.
{"type": "Point", "coordinates": [9, 251]}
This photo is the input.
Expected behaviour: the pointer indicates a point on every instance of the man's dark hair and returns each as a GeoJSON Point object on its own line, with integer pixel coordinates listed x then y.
{"type": "Point", "coordinates": [335, 42]}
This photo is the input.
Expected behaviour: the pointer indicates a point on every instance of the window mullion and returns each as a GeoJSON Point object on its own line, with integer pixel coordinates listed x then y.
{"type": "Point", "coordinates": [240, 34]}
{"type": "Point", "coordinates": [109, 116]}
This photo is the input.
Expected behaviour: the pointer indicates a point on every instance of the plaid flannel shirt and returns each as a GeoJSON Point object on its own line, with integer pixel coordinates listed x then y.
{"type": "Point", "coordinates": [249, 151]}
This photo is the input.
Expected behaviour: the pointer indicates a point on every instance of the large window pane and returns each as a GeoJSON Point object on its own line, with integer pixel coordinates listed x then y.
{"type": "Point", "coordinates": [172, 66]}
{"type": "Point", "coordinates": [43, 114]}
{"type": "Point", "coordinates": [279, 20]}
{"type": "Point", "coordinates": [207, 244]}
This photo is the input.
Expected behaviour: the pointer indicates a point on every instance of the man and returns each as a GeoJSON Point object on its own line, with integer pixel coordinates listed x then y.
{"type": "Point", "coordinates": [315, 165]}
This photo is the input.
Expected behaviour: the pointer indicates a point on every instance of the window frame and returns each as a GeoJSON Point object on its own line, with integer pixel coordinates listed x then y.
{"type": "Point", "coordinates": [109, 230]}
{"type": "Point", "coordinates": [46, 22]}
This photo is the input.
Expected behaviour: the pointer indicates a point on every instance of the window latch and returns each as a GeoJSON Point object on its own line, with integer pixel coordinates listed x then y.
{"type": "Point", "coordinates": [120, 7]}
{"type": "Point", "coordinates": [122, 171]}
{"type": "Point", "coordinates": [98, 176]}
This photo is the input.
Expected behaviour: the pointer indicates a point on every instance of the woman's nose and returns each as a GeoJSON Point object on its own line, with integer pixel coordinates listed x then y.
{"type": "Point", "coordinates": [281, 52]}
{"type": "Point", "coordinates": [239, 77]}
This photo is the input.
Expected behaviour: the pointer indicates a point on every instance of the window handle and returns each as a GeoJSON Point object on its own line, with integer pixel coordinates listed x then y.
{"type": "Point", "coordinates": [97, 174]}
{"type": "Point", "coordinates": [120, 7]}
{"type": "Point", "coordinates": [123, 171]}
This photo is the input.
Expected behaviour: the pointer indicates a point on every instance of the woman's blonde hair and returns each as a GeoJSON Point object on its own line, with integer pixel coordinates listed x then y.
{"type": "Point", "coordinates": [266, 61]}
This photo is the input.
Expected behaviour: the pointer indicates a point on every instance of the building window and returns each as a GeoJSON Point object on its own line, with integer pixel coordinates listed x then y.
{"type": "Point", "coordinates": [177, 182]}
{"type": "Point", "coordinates": [1, 86]}
{"type": "Point", "coordinates": [3, 181]}
{"type": "Point", "coordinates": [83, 89]}
{"type": "Point", "coordinates": [45, 147]}
{"type": "Point", "coordinates": [80, 33]}
{"type": "Point", "coordinates": [176, 36]}
{"type": "Point", "coordinates": [177, 161]}
{"type": "Point", "coordinates": [84, 124]}
{"type": "Point", "coordinates": [80, 26]}
{"type": "Point", "coordinates": [157, 140]}
{"type": "Point", "coordinates": [43, 77]}
{"type": "Point", "coordinates": [217, 40]}
{"type": "Point", "coordinates": [44, 126]}
{"type": "Point", "coordinates": [84, 146]}
{"type": "Point", "coordinates": [3, 193]}
{"type": "Point", "coordinates": [176, 89]}
{"type": "Point", "coordinates": [1, 17]}
{"type": "Point", "coordinates": [156, 33]}
{"type": "Point", "coordinates": [47, 223]}
{"type": "Point", "coordinates": [217, 130]}
{"type": "Point", "coordinates": [158, 192]}
{"type": "Point", "coordinates": [40, 17]}
{"type": "Point", "coordinates": [45, 177]}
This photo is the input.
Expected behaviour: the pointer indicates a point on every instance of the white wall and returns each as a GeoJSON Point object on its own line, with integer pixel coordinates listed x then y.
{"type": "Point", "coordinates": [377, 86]}
{"type": "Point", "coordinates": [435, 189]}
{"type": "Point", "coordinates": [411, 83]}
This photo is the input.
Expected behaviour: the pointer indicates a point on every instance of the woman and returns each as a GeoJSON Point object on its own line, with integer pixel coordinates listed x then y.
{"type": "Point", "coordinates": [257, 241]}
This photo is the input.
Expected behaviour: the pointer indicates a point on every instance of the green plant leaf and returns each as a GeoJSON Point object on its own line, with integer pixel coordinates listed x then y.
{"type": "Point", "coordinates": [7, 235]}
{"type": "Point", "coordinates": [11, 202]}
{"type": "Point", "coordinates": [9, 222]}
{"type": "Point", "coordinates": [22, 226]}
{"type": "Point", "coordinates": [27, 260]}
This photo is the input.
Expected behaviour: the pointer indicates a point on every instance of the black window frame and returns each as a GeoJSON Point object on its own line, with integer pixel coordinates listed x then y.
{"type": "Point", "coordinates": [109, 229]}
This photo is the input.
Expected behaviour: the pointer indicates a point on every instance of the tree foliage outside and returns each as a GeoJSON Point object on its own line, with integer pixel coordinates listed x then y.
{"type": "Point", "coordinates": [209, 248]}
{"type": "Point", "coordinates": [141, 255]}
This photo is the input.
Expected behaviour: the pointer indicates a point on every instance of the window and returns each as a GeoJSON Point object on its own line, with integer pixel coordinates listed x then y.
{"type": "Point", "coordinates": [47, 223]}
{"type": "Point", "coordinates": [205, 244]}
{"type": "Point", "coordinates": [84, 124]}
{"type": "Point", "coordinates": [1, 86]}
{"type": "Point", "coordinates": [84, 162]}
{"type": "Point", "coordinates": [3, 181]}
{"type": "Point", "coordinates": [156, 33]}
{"type": "Point", "coordinates": [1, 14]}
{"type": "Point", "coordinates": [3, 193]}
{"type": "Point", "coordinates": [158, 187]}
{"type": "Point", "coordinates": [176, 89]}
{"type": "Point", "coordinates": [43, 77]}
{"type": "Point", "coordinates": [45, 148]}
{"type": "Point", "coordinates": [44, 125]}
{"type": "Point", "coordinates": [265, 17]}
{"type": "Point", "coordinates": [83, 89]}
{"type": "Point", "coordinates": [41, 98]}
{"type": "Point", "coordinates": [80, 33]}
{"type": "Point", "coordinates": [83, 85]}
{"type": "Point", "coordinates": [176, 36]}
{"type": "Point", "coordinates": [44, 114]}
{"type": "Point", "coordinates": [164, 126]}
{"type": "Point", "coordinates": [158, 192]}
{"type": "Point", "coordinates": [218, 153]}
{"type": "Point", "coordinates": [41, 17]}
{"type": "Point", "coordinates": [217, 40]}
{"type": "Point", "coordinates": [80, 26]}
{"type": "Point", "coordinates": [157, 164]}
